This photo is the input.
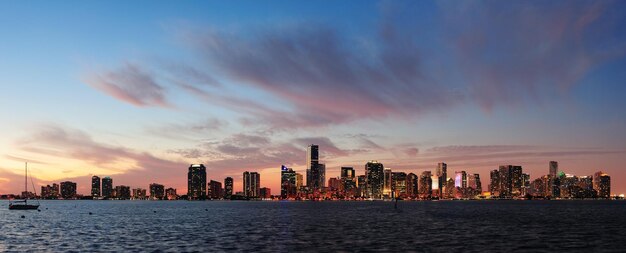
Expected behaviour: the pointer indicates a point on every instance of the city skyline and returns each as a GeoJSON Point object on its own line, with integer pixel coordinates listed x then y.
{"type": "Point", "coordinates": [247, 86]}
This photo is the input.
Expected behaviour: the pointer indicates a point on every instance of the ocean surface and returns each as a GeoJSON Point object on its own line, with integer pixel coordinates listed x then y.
{"type": "Point", "coordinates": [440, 226]}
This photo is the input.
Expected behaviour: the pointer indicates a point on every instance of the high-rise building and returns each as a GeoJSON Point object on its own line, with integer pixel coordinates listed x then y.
{"type": "Point", "coordinates": [68, 190]}
{"type": "Point", "coordinates": [399, 184]}
{"type": "Point", "coordinates": [525, 184]}
{"type": "Point", "coordinates": [170, 193]}
{"type": "Point", "coordinates": [425, 185]}
{"type": "Point", "coordinates": [348, 181]}
{"type": "Point", "coordinates": [316, 172]}
{"type": "Point", "coordinates": [122, 192]}
{"type": "Point", "coordinates": [95, 186]}
{"type": "Point", "coordinates": [252, 184]}
{"type": "Point", "coordinates": [554, 168]}
{"type": "Point", "coordinates": [157, 191]}
{"type": "Point", "coordinates": [228, 187]}
{"type": "Point", "coordinates": [412, 185]}
{"type": "Point", "coordinates": [387, 183]}
{"type": "Point", "coordinates": [288, 187]}
{"type": "Point", "coordinates": [196, 182]}
{"type": "Point", "coordinates": [107, 187]}
{"type": "Point", "coordinates": [139, 193]}
{"type": "Point", "coordinates": [442, 174]}
{"type": "Point", "coordinates": [215, 190]}
{"type": "Point", "coordinates": [299, 181]}
{"type": "Point", "coordinates": [602, 184]}
{"type": "Point", "coordinates": [362, 186]}
{"type": "Point", "coordinates": [50, 191]}
{"type": "Point", "coordinates": [460, 179]}
{"type": "Point", "coordinates": [494, 184]}
{"type": "Point", "coordinates": [374, 172]}
{"type": "Point", "coordinates": [265, 193]}
{"type": "Point", "coordinates": [510, 181]}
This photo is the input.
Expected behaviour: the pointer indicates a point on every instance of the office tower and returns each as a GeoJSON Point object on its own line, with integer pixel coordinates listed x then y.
{"type": "Point", "coordinates": [435, 191]}
{"type": "Point", "coordinates": [95, 186]}
{"type": "Point", "coordinates": [288, 187]}
{"type": "Point", "coordinates": [139, 193]}
{"type": "Point", "coordinates": [251, 184]}
{"type": "Point", "coordinates": [374, 172]}
{"type": "Point", "coordinates": [387, 183]}
{"type": "Point", "coordinates": [299, 182]}
{"type": "Point", "coordinates": [316, 172]}
{"type": "Point", "coordinates": [554, 168]}
{"type": "Point", "coordinates": [510, 181]}
{"type": "Point", "coordinates": [228, 188]}
{"type": "Point", "coordinates": [425, 185]}
{"type": "Point", "coordinates": [157, 191]}
{"type": "Point", "coordinates": [525, 184]}
{"type": "Point", "coordinates": [107, 187]}
{"type": "Point", "coordinates": [170, 194]}
{"type": "Point", "coordinates": [196, 182]}
{"type": "Point", "coordinates": [460, 179]}
{"type": "Point", "coordinates": [334, 184]}
{"type": "Point", "coordinates": [602, 184]}
{"type": "Point", "coordinates": [348, 181]}
{"type": "Point", "coordinates": [68, 190]}
{"type": "Point", "coordinates": [398, 184]}
{"type": "Point", "coordinates": [442, 174]}
{"type": "Point", "coordinates": [265, 193]}
{"type": "Point", "coordinates": [450, 189]}
{"type": "Point", "coordinates": [494, 184]}
{"type": "Point", "coordinates": [516, 181]}
{"type": "Point", "coordinates": [214, 190]}
{"type": "Point", "coordinates": [411, 185]}
{"type": "Point", "coordinates": [362, 186]}
{"type": "Point", "coordinates": [122, 192]}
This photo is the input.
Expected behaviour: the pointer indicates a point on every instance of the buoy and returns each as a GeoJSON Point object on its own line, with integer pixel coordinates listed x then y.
{"type": "Point", "coordinates": [154, 211]}
{"type": "Point", "coordinates": [23, 216]}
{"type": "Point", "coordinates": [206, 209]}
{"type": "Point", "coordinates": [38, 210]}
{"type": "Point", "coordinates": [90, 213]}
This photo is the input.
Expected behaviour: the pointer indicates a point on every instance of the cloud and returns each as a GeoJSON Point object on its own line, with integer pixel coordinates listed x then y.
{"type": "Point", "coordinates": [131, 84]}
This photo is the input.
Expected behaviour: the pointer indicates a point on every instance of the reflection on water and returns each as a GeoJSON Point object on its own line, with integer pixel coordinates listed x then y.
{"type": "Point", "coordinates": [316, 226]}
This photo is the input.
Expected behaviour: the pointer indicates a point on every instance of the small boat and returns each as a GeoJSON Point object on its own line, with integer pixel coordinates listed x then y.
{"type": "Point", "coordinates": [23, 204]}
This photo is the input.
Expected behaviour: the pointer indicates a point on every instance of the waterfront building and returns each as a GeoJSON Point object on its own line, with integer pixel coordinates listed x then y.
{"type": "Point", "coordinates": [170, 193]}
{"type": "Point", "coordinates": [196, 182]}
{"type": "Point", "coordinates": [602, 184]}
{"type": "Point", "coordinates": [510, 177]}
{"type": "Point", "coordinates": [425, 185]}
{"type": "Point", "coordinates": [228, 187]}
{"type": "Point", "coordinates": [442, 174]}
{"type": "Point", "coordinates": [50, 191]}
{"type": "Point", "coordinates": [139, 193]}
{"type": "Point", "coordinates": [399, 184]}
{"type": "Point", "coordinates": [157, 191]}
{"type": "Point", "coordinates": [348, 181]}
{"type": "Point", "coordinates": [412, 185]}
{"type": "Point", "coordinates": [68, 190]}
{"type": "Point", "coordinates": [107, 187]}
{"type": "Point", "coordinates": [215, 190]}
{"type": "Point", "coordinates": [251, 184]}
{"type": "Point", "coordinates": [265, 193]}
{"type": "Point", "coordinates": [374, 172]}
{"type": "Point", "coordinates": [494, 185]}
{"type": "Point", "coordinates": [299, 181]}
{"type": "Point", "coordinates": [554, 168]}
{"type": "Point", "coordinates": [460, 179]}
{"type": "Point", "coordinates": [95, 187]}
{"type": "Point", "coordinates": [316, 172]}
{"type": "Point", "coordinates": [122, 192]}
{"type": "Point", "coordinates": [387, 183]}
{"type": "Point", "coordinates": [288, 187]}
{"type": "Point", "coordinates": [362, 186]}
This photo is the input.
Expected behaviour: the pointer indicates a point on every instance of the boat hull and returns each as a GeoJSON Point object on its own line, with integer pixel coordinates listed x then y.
{"type": "Point", "coordinates": [23, 207]}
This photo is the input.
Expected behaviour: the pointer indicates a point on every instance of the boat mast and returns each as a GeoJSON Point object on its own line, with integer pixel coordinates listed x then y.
{"type": "Point", "coordinates": [25, 179]}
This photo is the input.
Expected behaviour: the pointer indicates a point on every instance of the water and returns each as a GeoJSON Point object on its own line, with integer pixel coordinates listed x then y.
{"type": "Point", "coordinates": [444, 226]}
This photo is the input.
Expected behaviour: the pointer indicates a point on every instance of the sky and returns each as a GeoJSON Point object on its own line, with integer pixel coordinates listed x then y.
{"type": "Point", "coordinates": [140, 90]}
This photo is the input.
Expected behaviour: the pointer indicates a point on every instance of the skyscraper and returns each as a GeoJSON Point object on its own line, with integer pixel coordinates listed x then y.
{"type": "Point", "coordinates": [411, 185]}
{"type": "Point", "coordinates": [214, 190]}
{"type": "Point", "coordinates": [399, 184]}
{"type": "Point", "coordinates": [287, 183]}
{"type": "Point", "coordinates": [494, 185]}
{"type": "Point", "coordinates": [362, 186]}
{"type": "Point", "coordinates": [107, 187]}
{"type": "Point", "coordinates": [95, 186]}
{"type": "Point", "coordinates": [510, 181]}
{"type": "Point", "coordinates": [425, 185]}
{"type": "Point", "coordinates": [602, 184]}
{"type": "Point", "coordinates": [348, 181]}
{"type": "Point", "coordinates": [554, 168]}
{"type": "Point", "coordinates": [299, 182]}
{"type": "Point", "coordinates": [442, 173]}
{"type": "Point", "coordinates": [460, 179]}
{"type": "Point", "coordinates": [251, 184]}
{"type": "Point", "coordinates": [228, 187]}
{"type": "Point", "coordinates": [122, 192]}
{"type": "Point", "coordinates": [316, 172]}
{"type": "Point", "coordinates": [68, 190]}
{"type": "Point", "coordinates": [157, 191]}
{"type": "Point", "coordinates": [387, 182]}
{"type": "Point", "coordinates": [374, 172]}
{"type": "Point", "coordinates": [196, 182]}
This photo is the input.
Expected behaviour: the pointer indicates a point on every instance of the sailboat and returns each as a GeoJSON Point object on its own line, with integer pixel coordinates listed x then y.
{"type": "Point", "coordinates": [23, 204]}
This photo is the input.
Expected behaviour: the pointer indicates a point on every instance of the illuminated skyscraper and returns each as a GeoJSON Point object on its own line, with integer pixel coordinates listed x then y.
{"type": "Point", "coordinates": [412, 185]}
{"type": "Point", "coordinates": [374, 171]}
{"type": "Point", "coordinates": [122, 192]}
{"type": "Point", "coordinates": [494, 185]}
{"type": "Point", "coordinates": [139, 193]}
{"type": "Point", "coordinates": [196, 182]}
{"type": "Point", "coordinates": [387, 183]}
{"type": "Point", "coordinates": [299, 181]}
{"type": "Point", "coordinates": [316, 172]}
{"type": "Point", "coordinates": [510, 181]}
{"type": "Point", "coordinates": [68, 190]}
{"type": "Point", "coordinates": [95, 186]}
{"type": "Point", "coordinates": [251, 184]}
{"type": "Point", "coordinates": [460, 179]}
{"type": "Point", "coordinates": [362, 186]}
{"type": "Point", "coordinates": [348, 181]}
{"type": "Point", "coordinates": [442, 174]}
{"type": "Point", "coordinates": [602, 184]}
{"type": "Point", "coordinates": [425, 185]}
{"type": "Point", "coordinates": [107, 187]}
{"type": "Point", "coordinates": [228, 187]}
{"type": "Point", "coordinates": [288, 187]}
{"type": "Point", "coordinates": [170, 193]}
{"type": "Point", "coordinates": [157, 191]}
{"type": "Point", "coordinates": [399, 184]}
